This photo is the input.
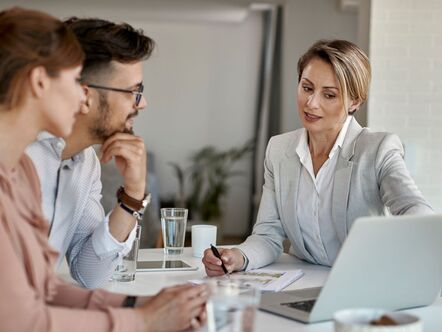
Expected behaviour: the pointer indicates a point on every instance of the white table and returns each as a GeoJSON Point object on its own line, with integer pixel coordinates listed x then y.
{"type": "Point", "coordinates": [148, 283]}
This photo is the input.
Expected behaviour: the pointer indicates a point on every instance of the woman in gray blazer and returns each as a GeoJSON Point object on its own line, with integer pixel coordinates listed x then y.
{"type": "Point", "coordinates": [320, 178]}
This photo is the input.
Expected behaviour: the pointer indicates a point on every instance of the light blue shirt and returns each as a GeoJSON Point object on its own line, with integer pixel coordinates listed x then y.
{"type": "Point", "coordinates": [71, 194]}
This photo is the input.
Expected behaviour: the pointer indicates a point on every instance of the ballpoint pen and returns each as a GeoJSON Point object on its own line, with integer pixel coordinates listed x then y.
{"type": "Point", "coordinates": [217, 255]}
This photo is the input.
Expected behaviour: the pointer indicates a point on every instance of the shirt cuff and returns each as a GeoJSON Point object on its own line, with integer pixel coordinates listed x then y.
{"type": "Point", "coordinates": [246, 261]}
{"type": "Point", "coordinates": [105, 245]}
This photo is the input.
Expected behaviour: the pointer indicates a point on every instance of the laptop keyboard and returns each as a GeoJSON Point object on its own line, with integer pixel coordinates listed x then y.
{"type": "Point", "coordinates": [301, 305]}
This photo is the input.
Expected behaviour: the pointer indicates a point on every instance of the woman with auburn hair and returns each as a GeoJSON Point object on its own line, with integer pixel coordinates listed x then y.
{"type": "Point", "coordinates": [319, 179]}
{"type": "Point", "coordinates": [40, 65]}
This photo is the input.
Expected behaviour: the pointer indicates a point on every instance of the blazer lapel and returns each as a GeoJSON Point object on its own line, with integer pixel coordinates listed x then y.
{"type": "Point", "coordinates": [341, 190]}
{"type": "Point", "coordinates": [342, 180]}
{"type": "Point", "coordinates": [290, 171]}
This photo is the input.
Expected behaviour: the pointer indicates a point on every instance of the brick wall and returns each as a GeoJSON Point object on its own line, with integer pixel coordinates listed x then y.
{"type": "Point", "coordinates": [406, 91]}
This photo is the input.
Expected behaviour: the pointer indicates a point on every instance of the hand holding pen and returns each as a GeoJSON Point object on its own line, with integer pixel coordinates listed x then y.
{"type": "Point", "coordinates": [222, 261]}
{"type": "Point", "coordinates": [217, 255]}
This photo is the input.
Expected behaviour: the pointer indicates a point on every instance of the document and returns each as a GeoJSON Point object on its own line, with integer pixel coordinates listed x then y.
{"type": "Point", "coordinates": [265, 279]}
{"type": "Point", "coordinates": [268, 280]}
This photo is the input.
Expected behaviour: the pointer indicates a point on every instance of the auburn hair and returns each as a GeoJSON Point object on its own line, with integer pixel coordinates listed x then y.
{"type": "Point", "coordinates": [29, 39]}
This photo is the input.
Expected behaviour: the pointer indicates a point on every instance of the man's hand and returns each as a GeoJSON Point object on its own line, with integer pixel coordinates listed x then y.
{"type": "Point", "coordinates": [176, 308]}
{"type": "Point", "coordinates": [130, 158]}
{"type": "Point", "coordinates": [232, 258]}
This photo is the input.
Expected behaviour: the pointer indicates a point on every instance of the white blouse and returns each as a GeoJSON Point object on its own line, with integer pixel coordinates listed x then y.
{"type": "Point", "coordinates": [314, 203]}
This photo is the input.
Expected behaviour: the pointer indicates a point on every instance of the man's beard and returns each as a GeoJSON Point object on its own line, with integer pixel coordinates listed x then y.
{"type": "Point", "coordinates": [101, 129]}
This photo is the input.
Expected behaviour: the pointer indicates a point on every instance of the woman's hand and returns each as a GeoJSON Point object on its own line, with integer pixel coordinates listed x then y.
{"type": "Point", "coordinates": [175, 308]}
{"type": "Point", "coordinates": [232, 258]}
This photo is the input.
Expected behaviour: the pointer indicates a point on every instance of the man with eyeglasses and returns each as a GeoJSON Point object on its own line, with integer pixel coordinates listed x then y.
{"type": "Point", "coordinates": [69, 169]}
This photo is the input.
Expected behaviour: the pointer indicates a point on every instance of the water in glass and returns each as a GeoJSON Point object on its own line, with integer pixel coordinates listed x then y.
{"type": "Point", "coordinates": [232, 309]}
{"type": "Point", "coordinates": [125, 271]}
{"type": "Point", "coordinates": [174, 231]}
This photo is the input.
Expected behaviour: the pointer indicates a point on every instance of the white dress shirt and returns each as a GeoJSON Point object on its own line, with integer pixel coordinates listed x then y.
{"type": "Point", "coordinates": [71, 194]}
{"type": "Point", "coordinates": [314, 204]}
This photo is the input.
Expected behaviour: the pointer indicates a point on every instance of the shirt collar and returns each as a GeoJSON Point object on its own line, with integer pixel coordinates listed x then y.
{"type": "Point", "coordinates": [58, 144]}
{"type": "Point", "coordinates": [302, 148]}
{"type": "Point", "coordinates": [340, 139]}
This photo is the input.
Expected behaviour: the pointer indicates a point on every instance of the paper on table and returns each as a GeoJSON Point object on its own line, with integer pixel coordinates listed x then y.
{"type": "Point", "coordinates": [265, 279]}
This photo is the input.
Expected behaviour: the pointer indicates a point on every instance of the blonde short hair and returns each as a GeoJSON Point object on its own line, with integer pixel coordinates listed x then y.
{"type": "Point", "coordinates": [349, 62]}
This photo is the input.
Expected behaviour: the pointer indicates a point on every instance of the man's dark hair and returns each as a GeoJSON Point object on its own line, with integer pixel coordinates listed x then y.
{"type": "Point", "coordinates": [103, 41]}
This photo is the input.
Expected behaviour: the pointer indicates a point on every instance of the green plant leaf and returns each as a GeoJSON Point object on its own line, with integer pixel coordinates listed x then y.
{"type": "Point", "coordinates": [207, 178]}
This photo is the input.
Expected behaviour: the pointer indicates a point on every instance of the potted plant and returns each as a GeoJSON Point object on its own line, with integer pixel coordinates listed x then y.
{"type": "Point", "coordinates": [204, 184]}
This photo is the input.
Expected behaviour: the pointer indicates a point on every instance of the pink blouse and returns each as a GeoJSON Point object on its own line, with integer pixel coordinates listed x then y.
{"type": "Point", "coordinates": [32, 297]}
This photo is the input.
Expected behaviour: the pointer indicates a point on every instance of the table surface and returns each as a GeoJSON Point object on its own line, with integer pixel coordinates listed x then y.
{"type": "Point", "coordinates": [148, 283]}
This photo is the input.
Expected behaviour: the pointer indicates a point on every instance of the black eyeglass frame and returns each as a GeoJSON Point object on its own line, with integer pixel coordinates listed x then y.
{"type": "Point", "coordinates": [138, 93]}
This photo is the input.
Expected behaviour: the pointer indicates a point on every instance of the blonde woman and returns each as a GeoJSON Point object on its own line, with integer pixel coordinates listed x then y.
{"type": "Point", "coordinates": [321, 178]}
{"type": "Point", "coordinates": [40, 65]}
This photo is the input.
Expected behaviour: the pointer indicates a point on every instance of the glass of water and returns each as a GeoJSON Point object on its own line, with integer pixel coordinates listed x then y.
{"type": "Point", "coordinates": [232, 305]}
{"type": "Point", "coordinates": [125, 271]}
{"type": "Point", "coordinates": [173, 225]}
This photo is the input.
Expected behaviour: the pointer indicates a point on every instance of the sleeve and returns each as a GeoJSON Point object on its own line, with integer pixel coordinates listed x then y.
{"type": "Point", "coordinates": [93, 252]}
{"type": "Point", "coordinates": [69, 295]}
{"type": "Point", "coordinates": [264, 246]}
{"type": "Point", "coordinates": [397, 188]}
{"type": "Point", "coordinates": [22, 308]}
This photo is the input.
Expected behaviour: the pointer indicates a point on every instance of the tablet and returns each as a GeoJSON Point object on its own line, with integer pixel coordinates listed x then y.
{"type": "Point", "coordinates": [168, 265]}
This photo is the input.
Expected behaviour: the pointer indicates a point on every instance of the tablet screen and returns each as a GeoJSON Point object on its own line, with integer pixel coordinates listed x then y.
{"type": "Point", "coordinates": [164, 265]}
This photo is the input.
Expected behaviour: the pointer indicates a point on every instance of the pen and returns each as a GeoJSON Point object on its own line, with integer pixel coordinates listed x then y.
{"type": "Point", "coordinates": [217, 255]}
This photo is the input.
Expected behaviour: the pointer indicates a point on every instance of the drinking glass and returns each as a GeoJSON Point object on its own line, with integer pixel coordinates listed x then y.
{"type": "Point", "coordinates": [173, 225]}
{"type": "Point", "coordinates": [231, 306]}
{"type": "Point", "coordinates": [126, 270]}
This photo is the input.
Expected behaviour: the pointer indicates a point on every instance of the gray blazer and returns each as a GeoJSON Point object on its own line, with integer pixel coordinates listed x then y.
{"type": "Point", "coordinates": [370, 179]}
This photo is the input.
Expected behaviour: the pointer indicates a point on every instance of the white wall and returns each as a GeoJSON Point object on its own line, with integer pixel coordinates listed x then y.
{"type": "Point", "coordinates": [406, 92]}
{"type": "Point", "coordinates": [201, 87]}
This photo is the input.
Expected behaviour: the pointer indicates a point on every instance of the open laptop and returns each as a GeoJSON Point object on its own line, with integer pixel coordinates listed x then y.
{"type": "Point", "coordinates": [386, 262]}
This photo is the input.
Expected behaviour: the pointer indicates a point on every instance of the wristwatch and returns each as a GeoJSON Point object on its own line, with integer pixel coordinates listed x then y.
{"type": "Point", "coordinates": [129, 302]}
{"type": "Point", "coordinates": [133, 206]}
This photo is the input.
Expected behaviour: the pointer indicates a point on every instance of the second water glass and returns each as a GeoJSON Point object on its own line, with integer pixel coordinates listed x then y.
{"type": "Point", "coordinates": [173, 225]}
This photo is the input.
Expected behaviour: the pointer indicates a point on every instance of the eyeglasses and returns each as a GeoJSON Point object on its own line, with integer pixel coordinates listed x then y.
{"type": "Point", "coordinates": [138, 93]}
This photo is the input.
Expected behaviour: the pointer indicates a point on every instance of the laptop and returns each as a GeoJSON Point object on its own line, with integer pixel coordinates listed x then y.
{"type": "Point", "coordinates": [386, 262]}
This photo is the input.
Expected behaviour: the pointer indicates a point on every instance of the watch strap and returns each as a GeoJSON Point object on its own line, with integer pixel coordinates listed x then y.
{"type": "Point", "coordinates": [135, 204]}
{"type": "Point", "coordinates": [136, 214]}
{"type": "Point", "coordinates": [129, 301]}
